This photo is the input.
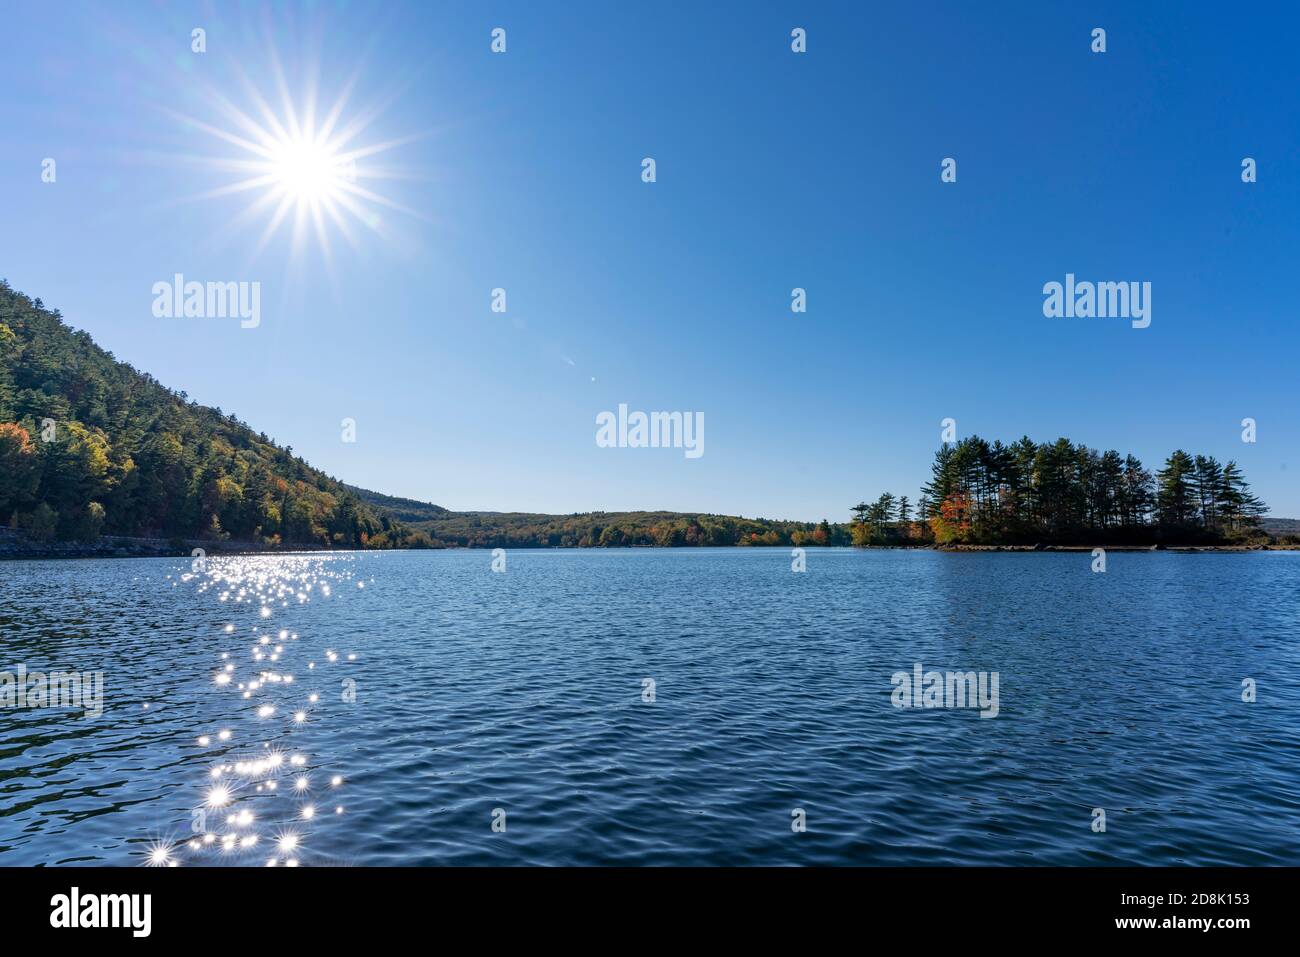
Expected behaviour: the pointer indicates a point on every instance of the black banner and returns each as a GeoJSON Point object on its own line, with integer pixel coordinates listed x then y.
{"type": "Point", "coordinates": [333, 906]}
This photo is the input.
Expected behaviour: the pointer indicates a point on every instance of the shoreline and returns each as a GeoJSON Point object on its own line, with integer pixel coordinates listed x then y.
{"type": "Point", "coordinates": [16, 548]}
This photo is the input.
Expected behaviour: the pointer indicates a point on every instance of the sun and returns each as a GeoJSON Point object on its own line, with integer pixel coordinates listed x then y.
{"type": "Point", "coordinates": [300, 166]}
{"type": "Point", "coordinates": [310, 171]}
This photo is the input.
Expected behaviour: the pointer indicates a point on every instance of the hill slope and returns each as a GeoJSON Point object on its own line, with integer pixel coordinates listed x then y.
{"type": "Point", "coordinates": [403, 509]}
{"type": "Point", "coordinates": [90, 446]}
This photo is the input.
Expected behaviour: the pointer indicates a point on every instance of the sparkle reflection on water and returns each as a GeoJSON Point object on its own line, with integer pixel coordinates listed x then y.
{"type": "Point", "coordinates": [343, 708]}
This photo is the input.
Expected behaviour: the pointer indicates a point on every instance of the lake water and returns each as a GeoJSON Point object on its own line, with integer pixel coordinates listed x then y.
{"type": "Point", "coordinates": [449, 697]}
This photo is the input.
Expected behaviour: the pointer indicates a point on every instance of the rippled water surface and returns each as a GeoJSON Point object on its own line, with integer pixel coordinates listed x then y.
{"type": "Point", "coordinates": [387, 708]}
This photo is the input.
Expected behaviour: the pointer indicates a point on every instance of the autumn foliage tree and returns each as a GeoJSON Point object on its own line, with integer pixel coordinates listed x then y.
{"type": "Point", "coordinates": [951, 523]}
{"type": "Point", "coordinates": [19, 470]}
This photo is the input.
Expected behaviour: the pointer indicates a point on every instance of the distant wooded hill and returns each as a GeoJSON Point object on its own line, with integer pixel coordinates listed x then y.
{"type": "Point", "coordinates": [1281, 527]}
{"type": "Point", "coordinates": [596, 529]}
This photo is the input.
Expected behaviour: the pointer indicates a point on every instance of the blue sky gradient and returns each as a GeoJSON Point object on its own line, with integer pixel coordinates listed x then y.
{"type": "Point", "coordinates": [775, 170]}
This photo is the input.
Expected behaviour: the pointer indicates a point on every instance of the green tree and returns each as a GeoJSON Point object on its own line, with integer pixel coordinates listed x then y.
{"type": "Point", "coordinates": [1238, 507]}
{"type": "Point", "coordinates": [1176, 502]}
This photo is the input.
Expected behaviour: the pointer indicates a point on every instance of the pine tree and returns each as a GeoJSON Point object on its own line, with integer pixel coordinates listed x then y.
{"type": "Point", "coordinates": [943, 480]}
{"type": "Point", "coordinates": [884, 511]}
{"type": "Point", "coordinates": [1238, 508]}
{"type": "Point", "coordinates": [1176, 503]}
{"type": "Point", "coordinates": [1207, 484]}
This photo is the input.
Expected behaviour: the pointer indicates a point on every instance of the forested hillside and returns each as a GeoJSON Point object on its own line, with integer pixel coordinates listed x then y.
{"type": "Point", "coordinates": [91, 446]}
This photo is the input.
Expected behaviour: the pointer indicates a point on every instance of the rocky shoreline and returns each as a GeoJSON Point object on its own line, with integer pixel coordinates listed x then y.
{"type": "Point", "coordinates": [16, 546]}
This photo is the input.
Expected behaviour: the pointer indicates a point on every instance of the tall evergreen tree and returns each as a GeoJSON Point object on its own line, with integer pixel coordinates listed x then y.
{"type": "Point", "coordinates": [1176, 500]}
{"type": "Point", "coordinates": [1238, 507]}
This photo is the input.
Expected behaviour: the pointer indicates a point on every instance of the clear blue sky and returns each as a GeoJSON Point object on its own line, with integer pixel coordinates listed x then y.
{"type": "Point", "coordinates": [775, 170]}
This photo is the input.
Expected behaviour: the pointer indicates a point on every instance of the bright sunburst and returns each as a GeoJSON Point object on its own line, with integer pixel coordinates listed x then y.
{"type": "Point", "coordinates": [303, 170]}
{"type": "Point", "coordinates": [309, 171]}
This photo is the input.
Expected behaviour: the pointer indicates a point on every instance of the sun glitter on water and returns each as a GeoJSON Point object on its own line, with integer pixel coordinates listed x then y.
{"type": "Point", "coordinates": [243, 807]}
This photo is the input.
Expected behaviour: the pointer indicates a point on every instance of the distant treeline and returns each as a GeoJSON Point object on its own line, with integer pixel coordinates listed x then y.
{"type": "Point", "coordinates": [983, 493]}
{"type": "Point", "coordinates": [617, 529]}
